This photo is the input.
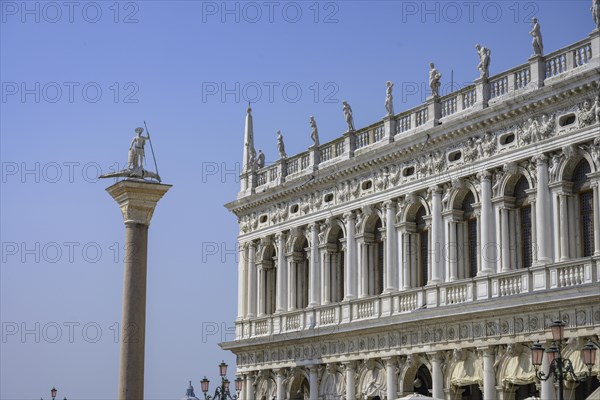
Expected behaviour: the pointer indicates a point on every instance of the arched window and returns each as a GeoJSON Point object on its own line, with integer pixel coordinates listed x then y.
{"type": "Point", "coordinates": [582, 189]}
{"type": "Point", "coordinates": [469, 236]}
{"type": "Point", "coordinates": [423, 248]}
{"type": "Point", "coordinates": [523, 223]}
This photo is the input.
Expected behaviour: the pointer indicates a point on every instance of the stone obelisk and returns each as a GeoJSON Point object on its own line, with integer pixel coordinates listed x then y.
{"type": "Point", "coordinates": [137, 199]}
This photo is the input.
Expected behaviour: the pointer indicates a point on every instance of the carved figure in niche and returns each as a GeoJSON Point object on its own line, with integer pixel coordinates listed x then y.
{"type": "Point", "coordinates": [554, 166]}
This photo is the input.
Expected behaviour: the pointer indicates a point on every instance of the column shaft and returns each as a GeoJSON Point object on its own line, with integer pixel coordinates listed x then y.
{"type": "Point", "coordinates": [242, 250]}
{"type": "Point", "coordinates": [252, 280]}
{"type": "Point", "coordinates": [564, 228]}
{"type": "Point", "coordinates": [505, 240]}
{"type": "Point", "coordinates": [261, 291]}
{"type": "Point", "coordinates": [596, 220]}
{"type": "Point", "coordinates": [437, 239]}
{"type": "Point", "coordinates": [452, 251]}
{"type": "Point", "coordinates": [281, 274]}
{"type": "Point", "coordinates": [350, 385]}
{"type": "Point", "coordinates": [390, 247]}
{"type": "Point", "coordinates": [314, 387]}
{"type": "Point", "coordinates": [350, 264]}
{"type": "Point", "coordinates": [313, 288]}
{"type": "Point", "coordinates": [292, 284]}
{"type": "Point", "coordinates": [280, 394]}
{"type": "Point", "coordinates": [489, 376]}
{"type": "Point", "coordinates": [437, 377]}
{"type": "Point", "coordinates": [487, 244]}
{"type": "Point", "coordinates": [390, 370]}
{"type": "Point", "coordinates": [543, 210]}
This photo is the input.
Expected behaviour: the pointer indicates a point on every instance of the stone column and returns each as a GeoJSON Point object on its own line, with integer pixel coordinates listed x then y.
{"type": "Point", "coordinates": [437, 379]}
{"type": "Point", "coordinates": [390, 246]}
{"type": "Point", "coordinates": [242, 252]}
{"type": "Point", "coordinates": [292, 266]}
{"type": "Point", "coordinates": [350, 385]}
{"type": "Point", "coordinates": [251, 280]}
{"type": "Point", "coordinates": [137, 201]}
{"type": "Point", "coordinates": [452, 251]}
{"type": "Point", "coordinates": [390, 372]}
{"type": "Point", "coordinates": [350, 271]}
{"type": "Point", "coordinates": [280, 393]}
{"type": "Point", "coordinates": [596, 201]}
{"type": "Point", "coordinates": [313, 291]}
{"type": "Point", "coordinates": [505, 239]}
{"type": "Point", "coordinates": [362, 266]}
{"type": "Point", "coordinates": [260, 285]}
{"type": "Point", "coordinates": [542, 210]}
{"type": "Point", "coordinates": [326, 267]}
{"type": "Point", "coordinates": [249, 386]}
{"type": "Point", "coordinates": [547, 390]}
{"type": "Point", "coordinates": [436, 235]}
{"type": "Point", "coordinates": [488, 242]}
{"type": "Point", "coordinates": [564, 228]}
{"type": "Point", "coordinates": [406, 260]}
{"type": "Point", "coordinates": [313, 383]}
{"type": "Point", "coordinates": [281, 305]}
{"type": "Point", "coordinates": [489, 375]}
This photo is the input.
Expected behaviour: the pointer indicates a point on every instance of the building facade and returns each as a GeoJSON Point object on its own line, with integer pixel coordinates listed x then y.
{"type": "Point", "coordinates": [425, 253]}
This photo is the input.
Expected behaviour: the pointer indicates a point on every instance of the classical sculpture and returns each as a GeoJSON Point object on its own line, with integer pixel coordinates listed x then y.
{"type": "Point", "coordinates": [554, 167]}
{"type": "Point", "coordinates": [135, 160]}
{"type": "Point", "coordinates": [389, 100]}
{"type": "Point", "coordinates": [314, 134]}
{"type": "Point", "coordinates": [536, 32]}
{"type": "Point", "coordinates": [348, 115]}
{"type": "Point", "coordinates": [596, 12]}
{"type": "Point", "coordinates": [280, 145]}
{"type": "Point", "coordinates": [260, 160]}
{"type": "Point", "coordinates": [434, 80]}
{"type": "Point", "coordinates": [484, 61]}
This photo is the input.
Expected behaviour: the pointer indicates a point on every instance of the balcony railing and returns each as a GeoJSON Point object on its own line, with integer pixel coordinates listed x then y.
{"type": "Point", "coordinates": [505, 284]}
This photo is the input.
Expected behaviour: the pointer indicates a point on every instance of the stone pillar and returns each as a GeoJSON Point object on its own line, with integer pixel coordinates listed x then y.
{"type": "Point", "coordinates": [596, 201]}
{"type": "Point", "coordinates": [260, 285]}
{"type": "Point", "coordinates": [542, 211]}
{"type": "Point", "coordinates": [564, 227]}
{"type": "Point", "coordinates": [436, 236]}
{"type": "Point", "coordinates": [362, 262]}
{"type": "Point", "coordinates": [326, 267]}
{"type": "Point", "coordinates": [482, 94]}
{"type": "Point", "coordinates": [242, 259]}
{"type": "Point", "coordinates": [505, 239]}
{"type": "Point", "coordinates": [489, 375]}
{"type": "Point", "coordinates": [281, 305]}
{"type": "Point", "coordinates": [292, 271]}
{"type": "Point", "coordinates": [313, 382]}
{"type": "Point", "coordinates": [452, 253]}
{"type": "Point", "coordinates": [390, 246]}
{"type": "Point", "coordinates": [251, 280]}
{"type": "Point", "coordinates": [350, 271]}
{"type": "Point", "coordinates": [313, 285]}
{"type": "Point", "coordinates": [537, 67]}
{"type": "Point", "coordinates": [437, 379]}
{"type": "Point", "coordinates": [249, 386]}
{"type": "Point", "coordinates": [350, 385]}
{"type": "Point", "coordinates": [406, 260]}
{"type": "Point", "coordinates": [137, 201]}
{"type": "Point", "coordinates": [488, 242]}
{"type": "Point", "coordinates": [280, 393]}
{"type": "Point", "coordinates": [390, 372]}
{"type": "Point", "coordinates": [547, 390]}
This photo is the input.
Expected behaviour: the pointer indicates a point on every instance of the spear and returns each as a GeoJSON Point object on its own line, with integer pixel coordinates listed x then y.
{"type": "Point", "coordinates": [151, 148]}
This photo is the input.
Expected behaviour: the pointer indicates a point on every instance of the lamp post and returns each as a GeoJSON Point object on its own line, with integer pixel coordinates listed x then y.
{"type": "Point", "coordinates": [53, 393]}
{"type": "Point", "coordinates": [222, 392]}
{"type": "Point", "coordinates": [561, 368]}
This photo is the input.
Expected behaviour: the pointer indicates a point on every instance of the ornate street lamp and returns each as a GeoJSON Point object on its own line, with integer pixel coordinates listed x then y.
{"type": "Point", "coordinates": [222, 392]}
{"type": "Point", "coordinates": [53, 392]}
{"type": "Point", "coordinates": [561, 368]}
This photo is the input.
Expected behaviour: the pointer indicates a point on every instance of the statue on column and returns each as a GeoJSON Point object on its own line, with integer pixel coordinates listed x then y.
{"type": "Point", "coordinates": [348, 115]}
{"type": "Point", "coordinates": [536, 32]}
{"type": "Point", "coordinates": [434, 80]}
{"type": "Point", "coordinates": [135, 160]}
{"type": "Point", "coordinates": [484, 61]}
{"type": "Point", "coordinates": [280, 145]}
{"type": "Point", "coordinates": [389, 100]}
{"type": "Point", "coordinates": [596, 12]}
{"type": "Point", "coordinates": [314, 134]}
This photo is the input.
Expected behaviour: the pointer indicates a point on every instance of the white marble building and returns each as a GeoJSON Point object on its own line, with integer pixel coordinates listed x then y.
{"type": "Point", "coordinates": [427, 252]}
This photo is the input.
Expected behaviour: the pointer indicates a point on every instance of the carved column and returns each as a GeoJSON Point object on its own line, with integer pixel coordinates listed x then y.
{"type": "Point", "coordinates": [390, 246]}
{"type": "Point", "coordinates": [350, 271]}
{"type": "Point", "coordinates": [313, 292]}
{"type": "Point", "coordinates": [349, 367]}
{"type": "Point", "coordinates": [542, 210]}
{"type": "Point", "coordinates": [488, 242]}
{"type": "Point", "coordinates": [251, 280]}
{"type": "Point", "coordinates": [137, 201]}
{"type": "Point", "coordinates": [390, 371]}
{"type": "Point", "coordinates": [436, 236]}
{"type": "Point", "coordinates": [281, 305]}
{"type": "Point", "coordinates": [313, 382]}
{"type": "Point", "coordinates": [489, 375]}
{"type": "Point", "coordinates": [279, 377]}
{"type": "Point", "coordinates": [242, 296]}
{"type": "Point", "coordinates": [437, 377]}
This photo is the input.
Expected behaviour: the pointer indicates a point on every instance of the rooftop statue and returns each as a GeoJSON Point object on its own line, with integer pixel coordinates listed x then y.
{"type": "Point", "coordinates": [484, 61]}
{"type": "Point", "coordinates": [596, 12]}
{"type": "Point", "coordinates": [536, 32]}
{"type": "Point", "coordinates": [389, 100]}
{"type": "Point", "coordinates": [348, 115]}
{"type": "Point", "coordinates": [434, 80]}
{"type": "Point", "coordinates": [135, 160]}
{"type": "Point", "coordinates": [314, 134]}
{"type": "Point", "coordinates": [280, 145]}
{"type": "Point", "coordinates": [260, 160]}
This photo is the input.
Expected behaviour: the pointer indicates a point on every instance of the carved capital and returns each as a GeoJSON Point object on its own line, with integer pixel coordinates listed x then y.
{"type": "Point", "coordinates": [389, 204]}
{"type": "Point", "coordinates": [540, 160]}
{"type": "Point", "coordinates": [484, 176]}
{"type": "Point", "coordinates": [349, 216]}
{"type": "Point", "coordinates": [137, 200]}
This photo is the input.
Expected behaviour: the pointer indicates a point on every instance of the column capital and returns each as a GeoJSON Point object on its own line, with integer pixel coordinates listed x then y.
{"type": "Point", "coordinates": [349, 365]}
{"type": "Point", "coordinates": [435, 356]}
{"type": "Point", "coordinates": [137, 200]}
{"type": "Point", "coordinates": [243, 246]}
{"type": "Point", "coordinates": [349, 215]}
{"type": "Point", "coordinates": [389, 204]}
{"type": "Point", "coordinates": [435, 191]}
{"type": "Point", "coordinates": [484, 176]}
{"type": "Point", "coordinates": [540, 160]}
{"type": "Point", "coordinates": [390, 361]}
{"type": "Point", "coordinates": [487, 350]}
{"type": "Point", "coordinates": [280, 236]}
{"type": "Point", "coordinates": [313, 226]}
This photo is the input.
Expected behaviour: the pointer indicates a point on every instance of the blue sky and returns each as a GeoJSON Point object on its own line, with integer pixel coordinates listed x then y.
{"type": "Point", "coordinates": [77, 80]}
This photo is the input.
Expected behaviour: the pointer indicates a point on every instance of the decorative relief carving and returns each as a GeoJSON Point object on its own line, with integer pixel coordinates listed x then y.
{"type": "Point", "coordinates": [589, 113]}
